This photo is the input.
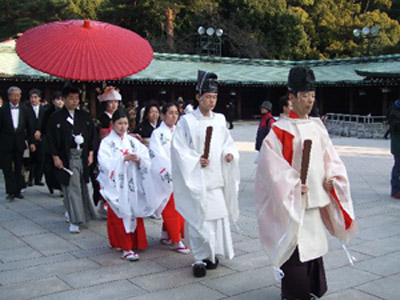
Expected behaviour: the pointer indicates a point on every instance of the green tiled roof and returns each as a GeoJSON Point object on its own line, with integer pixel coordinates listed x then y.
{"type": "Point", "coordinates": [177, 68]}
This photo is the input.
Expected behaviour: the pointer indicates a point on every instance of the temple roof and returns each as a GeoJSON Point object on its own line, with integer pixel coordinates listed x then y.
{"type": "Point", "coordinates": [182, 69]}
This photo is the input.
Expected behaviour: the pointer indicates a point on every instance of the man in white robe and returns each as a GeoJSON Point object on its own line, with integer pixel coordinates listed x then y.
{"type": "Point", "coordinates": [206, 189]}
{"type": "Point", "coordinates": [292, 217]}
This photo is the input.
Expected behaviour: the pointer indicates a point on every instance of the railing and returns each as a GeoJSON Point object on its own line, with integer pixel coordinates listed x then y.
{"type": "Point", "coordinates": [361, 126]}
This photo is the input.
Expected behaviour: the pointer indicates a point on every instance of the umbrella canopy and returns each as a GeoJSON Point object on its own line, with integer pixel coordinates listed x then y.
{"type": "Point", "coordinates": [84, 50]}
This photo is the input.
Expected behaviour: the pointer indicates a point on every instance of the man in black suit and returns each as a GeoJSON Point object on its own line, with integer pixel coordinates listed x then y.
{"type": "Point", "coordinates": [15, 127]}
{"type": "Point", "coordinates": [36, 158]}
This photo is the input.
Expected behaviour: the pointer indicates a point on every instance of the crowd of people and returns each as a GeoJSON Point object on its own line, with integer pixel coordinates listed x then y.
{"type": "Point", "coordinates": [181, 164]}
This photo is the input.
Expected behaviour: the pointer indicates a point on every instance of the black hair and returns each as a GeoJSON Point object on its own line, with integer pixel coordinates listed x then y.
{"type": "Point", "coordinates": [283, 101]}
{"type": "Point", "coordinates": [69, 89]}
{"type": "Point", "coordinates": [56, 94]}
{"type": "Point", "coordinates": [165, 107]}
{"type": "Point", "coordinates": [149, 105]}
{"type": "Point", "coordinates": [118, 114]}
{"type": "Point", "coordinates": [35, 91]}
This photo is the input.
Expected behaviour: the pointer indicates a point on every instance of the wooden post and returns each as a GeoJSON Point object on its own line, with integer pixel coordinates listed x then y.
{"type": "Point", "coordinates": [47, 95]}
{"type": "Point", "coordinates": [134, 94]}
{"type": "Point", "coordinates": [351, 100]}
{"type": "Point", "coordinates": [172, 97]}
{"type": "Point", "coordinates": [238, 104]}
{"type": "Point", "coordinates": [384, 104]}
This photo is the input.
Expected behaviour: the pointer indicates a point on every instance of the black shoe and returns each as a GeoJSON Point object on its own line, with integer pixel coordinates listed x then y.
{"type": "Point", "coordinates": [29, 183]}
{"type": "Point", "coordinates": [199, 270]}
{"type": "Point", "coordinates": [10, 198]}
{"type": "Point", "coordinates": [210, 265]}
{"type": "Point", "coordinates": [51, 190]}
{"type": "Point", "coordinates": [19, 196]}
{"type": "Point", "coordinates": [39, 183]}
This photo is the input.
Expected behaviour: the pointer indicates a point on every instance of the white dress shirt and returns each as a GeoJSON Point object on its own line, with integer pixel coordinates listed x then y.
{"type": "Point", "coordinates": [36, 110]}
{"type": "Point", "coordinates": [15, 115]}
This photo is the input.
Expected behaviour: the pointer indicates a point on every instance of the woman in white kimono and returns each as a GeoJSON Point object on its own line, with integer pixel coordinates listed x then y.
{"type": "Point", "coordinates": [124, 177]}
{"type": "Point", "coordinates": [160, 153]}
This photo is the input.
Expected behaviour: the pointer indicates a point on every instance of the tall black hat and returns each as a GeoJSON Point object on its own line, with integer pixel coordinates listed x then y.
{"type": "Point", "coordinates": [301, 79]}
{"type": "Point", "coordinates": [206, 82]}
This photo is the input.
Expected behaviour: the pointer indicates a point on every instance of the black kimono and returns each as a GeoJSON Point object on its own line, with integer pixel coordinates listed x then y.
{"type": "Point", "coordinates": [48, 166]}
{"type": "Point", "coordinates": [60, 139]}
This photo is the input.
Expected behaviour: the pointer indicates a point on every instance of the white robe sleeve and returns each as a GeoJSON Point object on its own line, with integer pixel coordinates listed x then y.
{"type": "Point", "coordinates": [338, 216]}
{"type": "Point", "coordinates": [188, 186]}
{"type": "Point", "coordinates": [280, 207]}
{"type": "Point", "coordinates": [109, 164]}
{"type": "Point", "coordinates": [231, 174]}
{"type": "Point", "coordinates": [161, 173]}
{"type": "Point", "coordinates": [144, 204]}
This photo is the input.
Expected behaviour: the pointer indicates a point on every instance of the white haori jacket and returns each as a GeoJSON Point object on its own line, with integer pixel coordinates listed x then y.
{"type": "Point", "coordinates": [124, 185]}
{"type": "Point", "coordinates": [282, 209]}
{"type": "Point", "coordinates": [160, 155]}
{"type": "Point", "coordinates": [191, 181]}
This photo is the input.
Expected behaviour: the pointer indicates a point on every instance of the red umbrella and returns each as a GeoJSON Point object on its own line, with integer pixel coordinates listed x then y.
{"type": "Point", "coordinates": [84, 50]}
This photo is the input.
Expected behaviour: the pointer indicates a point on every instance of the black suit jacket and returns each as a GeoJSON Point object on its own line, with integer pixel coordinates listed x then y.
{"type": "Point", "coordinates": [60, 140]}
{"type": "Point", "coordinates": [37, 121]}
{"type": "Point", "coordinates": [11, 139]}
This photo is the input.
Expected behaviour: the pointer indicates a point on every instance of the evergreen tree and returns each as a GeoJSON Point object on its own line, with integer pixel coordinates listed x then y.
{"type": "Point", "coordinates": [18, 16]}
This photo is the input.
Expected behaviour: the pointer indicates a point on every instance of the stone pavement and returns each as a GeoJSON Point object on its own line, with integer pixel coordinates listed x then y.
{"type": "Point", "coordinates": [40, 259]}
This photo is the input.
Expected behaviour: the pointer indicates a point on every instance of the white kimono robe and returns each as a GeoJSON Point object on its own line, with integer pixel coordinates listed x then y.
{"type": "Point", "coordinates": [124, 185]}
{"type": "Point", "coordinates": [205, 197]}
{"type": "Point", "coordinates": [286, 218]}
{"type": "Point", "coordinates": [160, 155]}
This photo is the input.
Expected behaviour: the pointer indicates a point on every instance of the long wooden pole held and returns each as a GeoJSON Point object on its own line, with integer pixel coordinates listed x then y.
{"type": "Point", "coordinates": [207, 142]}
{"type": "Point", "coordinates": [305, 160]}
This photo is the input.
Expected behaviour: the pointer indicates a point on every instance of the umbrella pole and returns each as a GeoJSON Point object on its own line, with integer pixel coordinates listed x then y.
{"type": "Point", "coordinates": [83, 93]}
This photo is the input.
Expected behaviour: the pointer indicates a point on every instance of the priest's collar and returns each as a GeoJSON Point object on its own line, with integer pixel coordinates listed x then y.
{"type": "Point", "coordinates": [293, 115]}
{"type": "Point", "coordinates": [294, 118]}
{"type": "Point", "coordinates": [198, 114]}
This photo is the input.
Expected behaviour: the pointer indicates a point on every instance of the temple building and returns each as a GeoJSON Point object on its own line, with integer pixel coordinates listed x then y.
{"type": "Point", "coordinates": [361, 85]}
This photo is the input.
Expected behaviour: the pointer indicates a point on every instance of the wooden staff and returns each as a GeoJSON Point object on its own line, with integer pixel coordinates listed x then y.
{"type": "Point", "coordinates": [305, 160]}
{"type": "Point", "coordinates": [207, 142]}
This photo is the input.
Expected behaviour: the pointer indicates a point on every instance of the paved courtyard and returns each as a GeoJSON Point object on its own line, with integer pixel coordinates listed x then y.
{"type": "Point", "coordinates": [40, 259]}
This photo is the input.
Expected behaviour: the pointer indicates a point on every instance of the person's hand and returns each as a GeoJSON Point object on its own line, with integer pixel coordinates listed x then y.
{"type": "Point", "coordinates": [204, 162]}
{"type": "Point", "coordinates": [146, 142]}
{"type": "Point", "coordinates": [328, 185]}
{"type": "Point", "coordinates": [58, 162]}
{"type": "Point", "coordinates": [90, 158]}
{"type": "Point", "coordinates": [32, 147]}
{"type": "Point", "coordinates": [228, 158]}
{"type": "Point", "coordinates": [37, 135]}
{"type": "Point", "coordinates": [304, 189]}
{"type": "Point", "coordinates": [132, 157]}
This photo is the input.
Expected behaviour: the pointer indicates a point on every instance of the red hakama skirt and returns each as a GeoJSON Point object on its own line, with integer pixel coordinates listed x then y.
{"type": "Point", "coordinates": [173, 223]}
{"type": "Point", "coordinates": [120, 239]}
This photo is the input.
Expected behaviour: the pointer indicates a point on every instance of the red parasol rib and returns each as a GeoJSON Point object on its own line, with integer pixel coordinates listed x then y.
{"type": "Point", "coordinates": [84, 50]}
